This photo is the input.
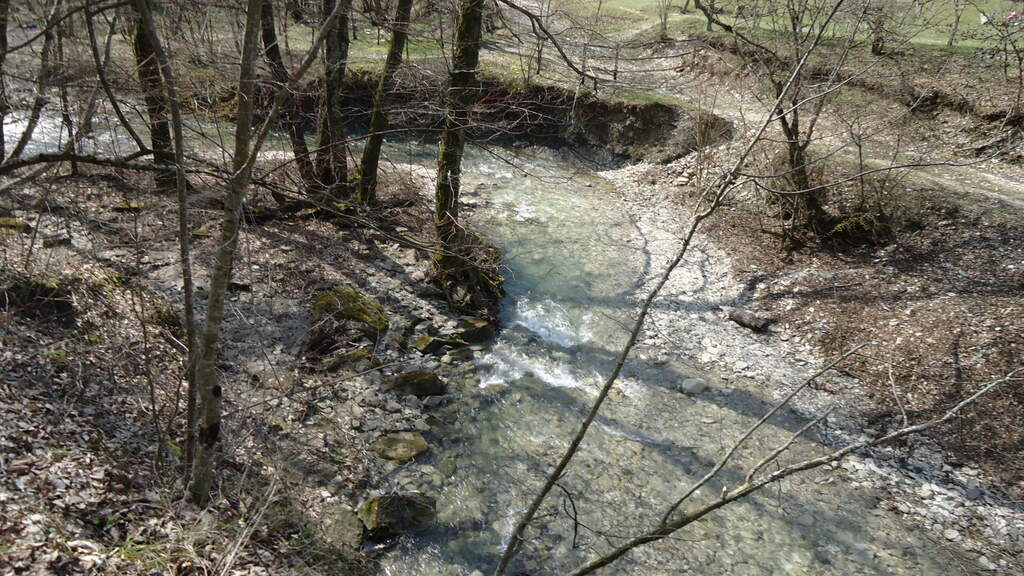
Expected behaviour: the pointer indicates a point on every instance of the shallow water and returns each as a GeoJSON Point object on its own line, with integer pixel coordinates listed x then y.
{"type": "Point", "coordinates": [575, 260]}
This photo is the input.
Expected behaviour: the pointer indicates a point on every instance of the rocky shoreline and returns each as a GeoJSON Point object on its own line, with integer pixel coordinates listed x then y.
{"type": "Point", "coordinates": [961, 506]}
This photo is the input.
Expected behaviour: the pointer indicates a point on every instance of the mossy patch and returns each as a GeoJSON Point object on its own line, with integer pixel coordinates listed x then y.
{"type": "Point", "coordinates": [346, 304]}
{"type": "Point", "coordinates": [343, 314]}
{"type": "Point", "coordinates": [38, 298]}
{"type": "Point", "coordinates": [394, 514]}
{"type": "Point", "coordinates": [14, 224]}
{"type": "Point", "coordinates": [129, 208]}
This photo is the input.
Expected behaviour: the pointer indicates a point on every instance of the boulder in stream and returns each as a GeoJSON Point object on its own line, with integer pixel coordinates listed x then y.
{"type": "Point", "coordinates": [473, 330]}
{"type": "Point", "coordinates": [394, 514]}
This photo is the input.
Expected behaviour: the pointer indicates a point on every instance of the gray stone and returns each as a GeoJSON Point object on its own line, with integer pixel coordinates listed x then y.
{"type": "Point", "coordinates": [693, 386]}
{"type": "Point", "coordinates": [749, 320]}
{"type": "Point", "coordinates": [435, 401]}
{"type": "Point", "coordinates": [343, 528]}
{"type": "Point", "coordinates": [400, 446]}
{"type": "Point", "coordinates": [972, 492]}
{"type": "Point", "coordinates": [419, 383]}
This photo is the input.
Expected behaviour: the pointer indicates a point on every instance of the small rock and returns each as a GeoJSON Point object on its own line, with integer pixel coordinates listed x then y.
{"type": "Point", "coordinates": [749, 320]}
{"type": "Point", "coordinates": [473, 330]}
{"type": "Point", "coordinates": [400, 446]}
{"type": "Point", "coordinates": [987, 564]}
{"type": "Point", "coordinates": [692, 386]}
{"type": "Point", "coordinates": [951, 534]}
{"type": "Point", "coordinates": [343, 527]}
{"type": "Point", "coordinates": [972, 492]}
{"type": "Point", "coordinates": [419, 383]}
{"type": "Point", "coordinates": [431, 345]}
{"type": "Point", "coordinates": [435, 401]}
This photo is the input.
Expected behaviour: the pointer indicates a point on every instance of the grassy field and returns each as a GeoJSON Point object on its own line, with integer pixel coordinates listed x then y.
{"type": "Point", "coordinates": [931, 27]}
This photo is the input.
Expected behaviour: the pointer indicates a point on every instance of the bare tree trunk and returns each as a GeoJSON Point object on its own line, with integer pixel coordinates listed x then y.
{"type": "Point", "coordinates": [462, 94]}
{"type": "Point", "coordinates": [101, 74]}
{"type": "Point", "coordinates": [877, 24]}
{"type": "Point", "coordinates": [145, 14]}
{"type": "Point", "coordinates": [958, 11]}
{"type": "Point", "coordinates": [332, 160]}
{"type": "Point", "coordinates": [5, 106]}
{"type": "Point", "coordinates": [85, 122]}
{"type": "Point", "coordinates": [42, 81]}
{"type": "Point", "coordinates": [367, 191]}
{"type": "Point", "coordinates": [148, 70]}
{"type": "Point", "coordinates": [292, 115]}
{"type": "Point", "coordinates": [66, 119]}
{"type": "Point", "coordinates": [206, 370]}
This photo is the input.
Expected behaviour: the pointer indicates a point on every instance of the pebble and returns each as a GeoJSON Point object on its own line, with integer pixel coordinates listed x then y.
{"type": "Point", "coordinates": [693, 386]}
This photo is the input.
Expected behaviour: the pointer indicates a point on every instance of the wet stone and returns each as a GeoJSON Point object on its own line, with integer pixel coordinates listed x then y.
{"type": "Point", "coordinates": [400, 446]}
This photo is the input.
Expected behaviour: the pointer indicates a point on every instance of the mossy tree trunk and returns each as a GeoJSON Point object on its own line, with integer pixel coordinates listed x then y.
{"type": "Point", "coordinates": [462, 94]}
{"type": "Point", "coordinates": [292, 116]}
{"type": "Point", "coordinates": [206, 370]}
{"type": "Point", "coordinates": [148, 70]}
{"type": "Point", "coordinates": [367, 187]}
{"type": "Point", "coordinates": [331, 160]}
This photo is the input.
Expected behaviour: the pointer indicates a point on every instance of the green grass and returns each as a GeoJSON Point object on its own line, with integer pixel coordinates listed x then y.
{"type": "Point", "coordinates": [931, 29]}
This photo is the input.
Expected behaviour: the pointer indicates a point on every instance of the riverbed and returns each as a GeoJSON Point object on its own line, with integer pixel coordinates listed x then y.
{"type": "Point", "coordinates": [576, 263]}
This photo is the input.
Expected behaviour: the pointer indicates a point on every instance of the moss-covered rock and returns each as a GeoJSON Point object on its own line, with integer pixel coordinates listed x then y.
{"type": "Point", "coordinates": [394, 514]}
{"type": "Point", "coordinates": [346, 304]}
{"type": "Point", "coordinates": [14, 224]}
{"type": "Point", "coordinates": [400, 446]}
{"type": "Point", "coordinates": [431, 345]}
{"type": "Point", "coordinates": [419, 383]}
{"type": "Point", "coordinates": [344, 312]}
{"type": "Point", "coordinates": [41, 299]}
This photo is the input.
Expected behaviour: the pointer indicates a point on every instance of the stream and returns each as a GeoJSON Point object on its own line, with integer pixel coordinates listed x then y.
{"type": "Point", "coordinates": [576, 263]}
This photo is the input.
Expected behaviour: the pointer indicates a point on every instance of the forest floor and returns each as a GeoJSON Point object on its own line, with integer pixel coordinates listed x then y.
{"type": "Point", "coordinates": [91, 390]}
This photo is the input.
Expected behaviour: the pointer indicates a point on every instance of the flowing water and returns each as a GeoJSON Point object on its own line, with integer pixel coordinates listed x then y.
{"type": "Point", "coordinates": [575, 263]}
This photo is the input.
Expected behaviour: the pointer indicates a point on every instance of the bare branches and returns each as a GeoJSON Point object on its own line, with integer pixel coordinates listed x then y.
{"type": "Point", "coordinates": [538, 24]}
{"type": "Point", "coordinates": [751, 485]}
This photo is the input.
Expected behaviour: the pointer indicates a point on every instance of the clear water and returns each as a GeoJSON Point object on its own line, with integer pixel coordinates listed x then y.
{"type": "Point", "coordinates": [575, 260]}
{"type": "Point", "coordinates": [574, 263]}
